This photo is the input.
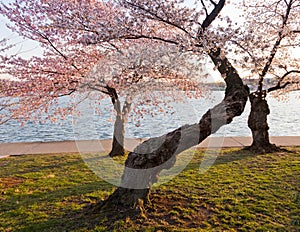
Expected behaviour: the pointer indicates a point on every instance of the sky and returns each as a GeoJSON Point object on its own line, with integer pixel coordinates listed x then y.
{"type": "Point", "coordinates": [25, 46]}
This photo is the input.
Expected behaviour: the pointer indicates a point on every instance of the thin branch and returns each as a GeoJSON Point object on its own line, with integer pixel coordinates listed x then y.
{"type": "Point", "coordinates": [212, 2]}
{"type": "Point", "coordinates": [59, 52]}
{"type": "Point", "coordinates": [275, 47]}
{"type": "Point", "coordinates": [6, 120]}
{"type": "Point", "coordinates": [115, 47]}
{"type": "Point", "coordinates": [100, 85]}
{"type": "Point", "coordinates": [49, 72]}
{"type": "Point", "coordinates": [97, 89]}
{"type": "Point", "coordinates": [149, 37]}
{"type": "Point", "coordinates": [243, 48]}
{"type": "Point", "coordinates": [135, 37]}
{"type": "Point", "coordinates": [279, 86]}
{"type": "Point", "coordinates": [157, 17]}
{"type": "Point", "coordinates": [212, 16]}
{"type": "Point", "coordinates": [67, 94]}
{"type": "Point", "coordinates": [202, 2]}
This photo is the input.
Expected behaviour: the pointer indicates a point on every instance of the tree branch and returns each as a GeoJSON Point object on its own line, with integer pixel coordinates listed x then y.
{"type": "Point", "coordinates": [59, 52]}
{"type": "Point", "coordinates": [67, 94]}
{"type": "Point", "coordinates": [134, 37]}
{"type": "Point", "coordinates": [156, 154]}
{"type": "Point", "coordinates": [243, 48]}
{"type": "Point", "coordinates": [206, 12]}
{"type": "Point", "coordinates": [275, 47]}
{"type": "Point", "coordinates": [212, 2]}
{"type": "Point", "coordinates": [211, 17]}
{"type": "Point", "coordinates": [279, 86]}
{"type": "Point", "coordinates": [97, 89]}
{"type": "Point", "coordinates": [152, 38]}
{"type": "Point", "coordinates": [157, 16]}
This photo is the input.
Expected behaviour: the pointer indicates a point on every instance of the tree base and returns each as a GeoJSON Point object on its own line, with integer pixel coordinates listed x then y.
{"type": "Point", "coordinates": [117, 149]}
{"type": "Point", "coordinates": [263, 148]}
{"type": "Point", "coordinates": [127, 201]}
{"type": "Point", "coordinates": [114, 212]}
{"type": "Point", "coordinates": [114, 153]}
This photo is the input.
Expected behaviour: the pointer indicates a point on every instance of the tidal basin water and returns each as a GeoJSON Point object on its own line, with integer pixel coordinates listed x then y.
{"type": "Point", "coordinates": [284, 120]}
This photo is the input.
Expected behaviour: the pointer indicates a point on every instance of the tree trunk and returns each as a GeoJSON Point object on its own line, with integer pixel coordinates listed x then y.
{"type": "Point", "coordinates": [144, 164]}
{"type": "Point", "coordinates": [118, 137]}
{"type": "Point", "coordinates": [118, 148]}
{"type": "Point", "coordinates": [258, 124]}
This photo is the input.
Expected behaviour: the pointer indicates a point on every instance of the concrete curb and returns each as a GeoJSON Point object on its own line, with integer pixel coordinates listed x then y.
{"type": "Point", "coordinates": [84, 146]}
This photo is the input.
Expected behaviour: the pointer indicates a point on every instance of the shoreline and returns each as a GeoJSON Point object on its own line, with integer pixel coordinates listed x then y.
{"type": "Point", "coordinates": [86, 146]}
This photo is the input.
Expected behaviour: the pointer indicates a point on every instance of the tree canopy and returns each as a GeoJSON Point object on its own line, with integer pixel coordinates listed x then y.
{"type": "Point", "coordinates": [88, 45]}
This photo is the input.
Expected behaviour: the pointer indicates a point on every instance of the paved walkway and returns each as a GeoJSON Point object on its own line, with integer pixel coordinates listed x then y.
{"type": "Point", "coordinates": [7, 149]}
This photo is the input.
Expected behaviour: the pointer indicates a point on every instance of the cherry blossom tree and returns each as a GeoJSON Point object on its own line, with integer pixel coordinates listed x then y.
{"type": "Point", "coordinates": [265, 46]}
{"type": "Point", "coordinates": [144, 69]}
{"type": "Point", "coordinates": [70, 34]}
{"type": "Point", "coordinates": [192, 30]}
{"type": "Point", "coordinates": [113, 24]}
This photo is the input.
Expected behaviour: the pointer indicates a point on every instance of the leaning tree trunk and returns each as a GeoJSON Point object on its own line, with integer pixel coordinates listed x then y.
{"type": "Point", "coordinates": [258, 124]}
{"type": "Point", "coordinates": [144, 164]}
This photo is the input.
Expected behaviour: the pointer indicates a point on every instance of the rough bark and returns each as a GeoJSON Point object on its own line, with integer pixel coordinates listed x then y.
{"type": "Point", "coordinates": [118, 138]}
{"type": "Point", "coordinates": [258, 124]}
{"type": "Point", "coordinates": [121, 120]}
{"type": "Point", "coordinates": [144, 164]}
{"type": "Point", "coordinates": [118, 148]}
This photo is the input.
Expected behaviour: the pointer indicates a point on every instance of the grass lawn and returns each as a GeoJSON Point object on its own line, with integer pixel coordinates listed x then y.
{"type": "Point", "coordinates": [240, 192]}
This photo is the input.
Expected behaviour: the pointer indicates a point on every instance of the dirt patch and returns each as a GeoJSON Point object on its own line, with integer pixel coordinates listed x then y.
{"type": "Point", "coordinates": [4, 163]}
{"type": "Point", "coordinates": [9, 182]}
{"type": "Point", "coordinates": [175, 211]}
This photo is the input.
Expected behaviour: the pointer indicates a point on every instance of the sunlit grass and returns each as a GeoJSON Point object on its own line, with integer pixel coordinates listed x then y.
{"type": "Point", "coordinates": [240, 192]}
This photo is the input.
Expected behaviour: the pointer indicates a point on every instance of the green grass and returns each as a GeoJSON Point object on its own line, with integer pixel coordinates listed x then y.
{"type": "Point", "coordinates": [240, 192]}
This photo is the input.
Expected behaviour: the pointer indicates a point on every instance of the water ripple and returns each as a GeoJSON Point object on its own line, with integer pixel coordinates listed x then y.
{"type": "Point", "coordinates": [283, 120]}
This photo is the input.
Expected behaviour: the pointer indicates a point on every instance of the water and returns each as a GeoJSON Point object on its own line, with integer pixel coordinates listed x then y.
{"type": "Point", "coordinates": [284, 120]}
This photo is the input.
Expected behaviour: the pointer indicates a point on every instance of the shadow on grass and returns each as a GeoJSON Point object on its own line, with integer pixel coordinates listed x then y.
{"type": "Point", "coordinates": [233, 156]}
{"type": "Point", "coordinates": [216, 157]}
{"type": "Point", "coordinates": [67, 208]}
{"type": "Point", "coordinates": [226, 156]}
{"type": "Point", "coordinates": [40, 163]}
{"type": "Point", "coordinates": [90, 217]}
{"type": "Point", "coordinates": [83, 219]}
{"type": "Point", "coordinates": [57, 195]}
{"type": "Point", "coordinates": [76, 205]}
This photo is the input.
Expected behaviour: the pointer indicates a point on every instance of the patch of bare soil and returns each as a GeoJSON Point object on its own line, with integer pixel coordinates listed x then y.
{"type": "Point", "coordinates": [9, 182]}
